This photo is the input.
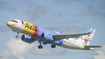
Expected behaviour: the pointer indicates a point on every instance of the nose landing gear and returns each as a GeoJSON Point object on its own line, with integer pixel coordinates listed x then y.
{"type": "Point", "coordinates": [17, 35]}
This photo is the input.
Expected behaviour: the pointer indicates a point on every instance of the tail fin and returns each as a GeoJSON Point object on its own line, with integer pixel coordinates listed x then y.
{"type": "Point", "coordinates": [87, 38]}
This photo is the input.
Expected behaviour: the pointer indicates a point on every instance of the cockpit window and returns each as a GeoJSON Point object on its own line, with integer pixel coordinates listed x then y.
{"type": "Point", "coordinates": [22, 22]}
{"type": "Point", "coordinates": [15, 21]}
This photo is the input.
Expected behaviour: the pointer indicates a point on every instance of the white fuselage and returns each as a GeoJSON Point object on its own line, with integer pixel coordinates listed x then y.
{"type": "Point", "coordinates": [72, 43]}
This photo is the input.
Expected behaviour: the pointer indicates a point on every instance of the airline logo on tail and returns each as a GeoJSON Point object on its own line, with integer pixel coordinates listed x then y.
{"type": "Point", "coordinates": [88, 38]}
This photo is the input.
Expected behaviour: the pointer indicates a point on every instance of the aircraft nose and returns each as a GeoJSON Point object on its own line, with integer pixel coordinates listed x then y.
{"type": "Point", "coordinates": [9, 24]}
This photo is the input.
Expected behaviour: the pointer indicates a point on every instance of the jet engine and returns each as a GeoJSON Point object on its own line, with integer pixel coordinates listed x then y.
{"type": "Point", "coordinates": [46, 37]}
{"type": "Point", "coordinates": [27, 39]}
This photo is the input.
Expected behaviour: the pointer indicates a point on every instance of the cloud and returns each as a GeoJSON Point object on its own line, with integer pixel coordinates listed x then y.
{"type": "Point", "coordinates": [92, 12]}
{"type": "Point", "coordinates": [35, 13]}
{"type": "Point", "coordinates": [102, 7]}
{"type": "Point", "coordinates": [67, 1]}
{"type": "Point", "coordinates": [71, 29]}
{"type": "Point", "coordinates": [17, 49]}
{"type": "Point", "coordinates": [32, 11]}
{"type": "Point", "coordinates": [7, 7]}
{"type": "Point", "coordinates": [99, 54]}
{"type": "Point", "coordinates": [60, 14]}
{"type": "Point", "coordinates": [4, 28]}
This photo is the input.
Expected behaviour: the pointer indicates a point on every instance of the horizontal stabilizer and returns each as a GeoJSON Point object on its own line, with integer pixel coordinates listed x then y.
{"type": "Point", "coordinates": [92, 46]}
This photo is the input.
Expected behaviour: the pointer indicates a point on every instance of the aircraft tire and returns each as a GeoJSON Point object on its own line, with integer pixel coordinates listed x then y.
{"type": "Point", "coordinates": [40, 46]}
{"type": "Point", "coordinates": [16, 36]}
{"type": "Point", "coordinates": [53, 45]}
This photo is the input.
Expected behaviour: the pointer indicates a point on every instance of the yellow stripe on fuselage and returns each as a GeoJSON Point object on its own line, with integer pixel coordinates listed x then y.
{"type": "Point", "coordinates": [29, 29]}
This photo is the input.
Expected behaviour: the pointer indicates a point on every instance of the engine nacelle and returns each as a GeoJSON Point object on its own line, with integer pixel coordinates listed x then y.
{"type": "Point", "coordinates": [27, 38]}
{"type": "Point", "coordinates": [46, 37]}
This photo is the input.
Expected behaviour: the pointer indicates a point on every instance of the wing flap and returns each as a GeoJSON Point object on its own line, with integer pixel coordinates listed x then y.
{"type": "Point", "coordinates": [62, 36]}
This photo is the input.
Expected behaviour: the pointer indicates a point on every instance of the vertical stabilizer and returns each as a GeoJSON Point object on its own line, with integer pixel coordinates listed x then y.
{"type": "Point", "coordinates": [87, 38]}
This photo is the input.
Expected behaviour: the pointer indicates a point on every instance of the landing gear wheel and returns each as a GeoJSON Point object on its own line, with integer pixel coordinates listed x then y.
{"type": "Point", "coordinates": [40, 46]}
{"type": "Point", "coordinates": [16, 36]}
{"type": "Point", "coordinates": [53, 45]}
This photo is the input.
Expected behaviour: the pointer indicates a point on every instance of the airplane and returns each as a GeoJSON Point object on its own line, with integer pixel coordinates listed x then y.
{"type": "Point", "coordinates": [44, 36]}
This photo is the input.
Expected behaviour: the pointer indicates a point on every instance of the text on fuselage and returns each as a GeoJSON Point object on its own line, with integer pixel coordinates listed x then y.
{"type": "Point", "coordinates": [29, 26]}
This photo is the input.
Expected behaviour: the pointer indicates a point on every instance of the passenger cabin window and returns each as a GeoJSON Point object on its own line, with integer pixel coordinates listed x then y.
{"type": "Point", "coordinates": [15, 21]}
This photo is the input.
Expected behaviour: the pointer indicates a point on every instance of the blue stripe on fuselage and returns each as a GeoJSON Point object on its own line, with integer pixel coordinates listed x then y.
{"type": "Point", "coordinates": [59, 42]}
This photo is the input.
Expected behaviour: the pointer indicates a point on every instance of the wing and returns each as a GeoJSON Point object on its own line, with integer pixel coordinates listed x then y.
{"type": "Point", "coordinates": [59, 37]}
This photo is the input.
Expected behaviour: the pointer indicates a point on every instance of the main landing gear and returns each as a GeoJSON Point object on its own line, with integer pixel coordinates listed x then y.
{"type": "Point", "coordinates": [53, 45]}
{"type": "Point", "coordinates": [40, 46]}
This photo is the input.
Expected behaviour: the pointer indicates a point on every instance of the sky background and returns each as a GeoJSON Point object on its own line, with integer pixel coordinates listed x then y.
{"type": "Point", "coordinates": [64, 16]}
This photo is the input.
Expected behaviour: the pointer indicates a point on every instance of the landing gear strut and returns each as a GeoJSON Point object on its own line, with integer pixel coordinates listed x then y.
{"type": "Point", "coordinates": [17, 35]}
{"type": "Point", "coordinates": [40, 46]}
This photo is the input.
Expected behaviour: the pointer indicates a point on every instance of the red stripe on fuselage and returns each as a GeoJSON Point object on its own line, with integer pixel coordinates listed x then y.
{"type": "Point", "coordinates": [36, 33]}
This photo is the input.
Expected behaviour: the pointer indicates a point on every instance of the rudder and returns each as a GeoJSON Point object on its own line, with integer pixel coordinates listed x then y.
{"type": "Point", "coordinates": [87, 38]}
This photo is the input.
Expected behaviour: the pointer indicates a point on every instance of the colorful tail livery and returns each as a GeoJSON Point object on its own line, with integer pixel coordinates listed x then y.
{"type": "Point", "coordinates": [33, 33]}
{"type": "Point", "coordinates": [87, 38]}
